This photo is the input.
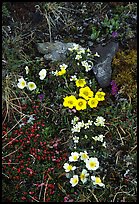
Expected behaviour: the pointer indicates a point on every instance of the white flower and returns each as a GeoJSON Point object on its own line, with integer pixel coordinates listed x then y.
{"type": "Point", "coordinates": [74, 157]}
{"type": "Point", "coordinates": [96, 55]}
{"type": "Point", "coordinates": [90, 122]}
{"type": "Point", "coordinates": [100, 121]}
{"type": "Point", "coordinates": [78, 57]}
{"type": "Point", "coordinates": [54, 73]}
{"type": "Point", "coordinates": [85, 136]}
{"type": "Point", "coordinates": [75, 128]}
{"type": "Point", "coordinates": [95, 138]}
{"type": "Point", "coordinates": [83, 176]}
{"type": "Point", "coordinates": [63, 66]}
{"type": "Point", "coordinates": [88, 50]}
{"type": "Point", "coordinates": [84, 156]}
{"type": "Point", "coordinates": [98, 138]}
{"type": "Point", "coordinates": [73, 78]}
{"type": "Point", "coordinates": [22, 83]}
{"type": "Point", "coordinates": [86, 125]}
{"type": "Point", "coordinates": [75, 120]}
{"type": "Point", "coordinates": [92, 163]}
{"type": "Point", "coordinates": [68, 167]}
{"type": "Point", "coordinates": [42, 74]}
{"type": "Point", "coordinates": [80, 124]}
{"type": "Point", "coordinates": [22, 124]}
{"type": "Point", "coordinates": [87, 66]}
{"type": "Point", "coordinates": [84, 63]}
{"type": "Point", "coordinates": [27, 69]}
{"type": "Point", "coordinates": [31, 86]}
{"type": "Point", "coordinates": [74, 181]}
{"type": "Point", "coordinates": [30, 119]}
{"type": "Point", "coordinates": [81, 51]}
{"type": "Point", "coordinates": [75, 47]}
{"type": "Point", "coordinates": [97, 181]}
{"type": "Point", "coordinates": [76, 139]}
{"type": "Point", "coordinates": [104, 144]}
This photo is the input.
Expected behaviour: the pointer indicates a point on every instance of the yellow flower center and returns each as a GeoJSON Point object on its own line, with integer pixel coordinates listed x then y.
{"type": "Point", "coordinates": [84, 156]}
{"type": "Point", "coordinates": [100, 95]}
{"type": "Point", "coordinates": [98, 180]}
{"type": "Point", "coordinates": [92, 164]}
{"type": "Point", "coordinates": [80, 103]}
{"type": "Point", "coordinates": [23, 83]}
{"type": "Point", "coordinates": [92, 102]}
{"type": "Point", "coordinates": [86, 93]}
{"type": "Point", "coordinates": [75, 180]}
{"type": "Point", "coordinates": [70, 102]}
{"type": "Point", "coordinates": [75, 157]}
{"type": "Point", "coordinates": [31, 85]}
{"type": "Point", "coordinates": [82, 176]}
{"type": "Point", "coordinates": [69, 167]}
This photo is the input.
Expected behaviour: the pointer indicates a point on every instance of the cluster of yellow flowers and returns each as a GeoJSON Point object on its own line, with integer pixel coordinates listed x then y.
{"type": "Point", "coordinates": [87, 97]}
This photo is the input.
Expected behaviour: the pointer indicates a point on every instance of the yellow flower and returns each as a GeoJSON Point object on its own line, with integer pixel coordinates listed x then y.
{"type": "Point", "coordinates": [80, 104]}
{"type": "Point", "coordinates": [80, 82]}
{"type": "Point", "coordinates": [93, 102]}
{"type": "Point", "coordinates": [69, 101]}
{"type": "Point", "coordinates": [61, 72]}
{"type": "Point", "coordinates": [86, 92]}
{"type": "Point", "coordinates": [100, 96]}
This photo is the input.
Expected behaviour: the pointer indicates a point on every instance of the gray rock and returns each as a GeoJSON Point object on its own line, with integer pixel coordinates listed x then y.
{"type": "Point", "coordinates": [57, 51]}
{"type": "Point", "coordinates": [54, 51]}
{"type": "Point", "coordinates": [102, 69]}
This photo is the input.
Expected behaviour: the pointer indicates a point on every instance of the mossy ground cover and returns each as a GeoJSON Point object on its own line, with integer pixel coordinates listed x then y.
{"type": "Point", "coordinates": [40, 132]}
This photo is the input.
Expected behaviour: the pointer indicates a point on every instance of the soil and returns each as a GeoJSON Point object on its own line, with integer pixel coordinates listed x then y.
{"type": "Point", "coordinates": [70, 21]}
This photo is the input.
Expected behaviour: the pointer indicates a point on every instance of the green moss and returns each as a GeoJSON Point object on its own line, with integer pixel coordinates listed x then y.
{"type": "Point", "coordinates": [125, 71]}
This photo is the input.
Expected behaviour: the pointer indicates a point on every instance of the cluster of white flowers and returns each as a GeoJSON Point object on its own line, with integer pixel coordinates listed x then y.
{"type": "Point", "coordinates": [77, 125]}
{"type": "Point", "coordinates": [87, 66]}
{"type": "Point", "coordinates": [79, 51]}
{"type": "Point", "coordinates": [91, 163]}
{"type": "Point", "coordinates": [88, 124]}
{"type": "Point", "coordinates": [63, 68]}
{"type": "Point", "coordinates": [100, 121]}
{"type": "Point", "coordinates": [75, 47]}
{"type": "Point", "coordinates": [30, 85]}
{"type": "Point", "coordinates": [73, 78]}
{"type": "Point", "coordinates": [28, 121]}
{"type": "Point", "coordinates": [22, 84]}
{"type": "Point", "coordinates": [99, 138]}
{"type": "Point", "coordinates": [75, 120]}
{"type": "Point", "coordinates": [76, 139]}
{"type": "Point", "coordinates": [78, 57]}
